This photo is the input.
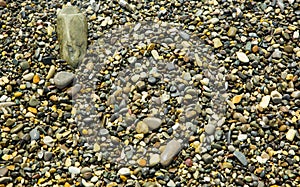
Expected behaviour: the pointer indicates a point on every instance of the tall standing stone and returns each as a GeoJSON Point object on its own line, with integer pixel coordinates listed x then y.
{"type": "Point", "coordinates": [72, 35]}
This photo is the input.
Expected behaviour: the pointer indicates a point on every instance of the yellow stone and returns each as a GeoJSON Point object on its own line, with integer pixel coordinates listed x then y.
{"type": "Point", "coordinates": [237, 99]}
{"type": "Point", "coordinates": [10, 167]}
{"type": "Point", "coordinates": [123, 178]}
{"type": "Point", "coordinates": [112, 184]}
{"type": "Point", "coordinates": [142, 162]}
{"type": "Point", "coordinates": [36, 79]}
{"type": "Point", "coordinates": [6, 157]}
{"type": "Point", "coordinates": [22, 86]}
{"type": "Point", "coordinates": [289, 77]}
{"type": "Point", "coordinates": [67, 184]}
{"type": "Point", "coordinates": [85, 132]}
{"type": "Point", "coordinates": [18, 94]}
{"type": "Point", "coordinates": [227, 165]}
{"type": "Point", "coordinates": [32, 110]}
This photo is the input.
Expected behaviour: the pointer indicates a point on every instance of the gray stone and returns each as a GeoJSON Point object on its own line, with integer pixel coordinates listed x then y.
{"type": "Point", "coordinates": [63, 79]}
{"type": "Point", "coordinates": [207, 158]}
{"type": "Point", "coordinates": [241, 157]}
{"type": "Point", "coordinates": [34, 134]}
{"type": "Point", "coordinates": [72, 30]}
{"type": "Point", "coordinates": [152, 122]}
{"type": "Point", "coordinates": [5, 180]}
{"type": "Point", "coordinates": [3, 171]}
{"type": "Point", "coordinates": [48, 156]}
{"type": "Point", "coordinates": [209, 129]}
{"type": "Point", "coordinates": [277, 54]}
{"type": "Point", "coordinates": [33, 101]}
{"type": "Point", "coordinates": [171, 150]}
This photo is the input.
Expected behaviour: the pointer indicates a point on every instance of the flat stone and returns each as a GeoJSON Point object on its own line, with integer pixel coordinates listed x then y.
{"type": "Point", "coordinates": [288, 48]}
{"type": "Point", "coordinates": [296, 94]}
{"type": "Point", "coordinates": [5, 180]}
{"type": "Point", "coordinates": [28, 76]}
{"type": "Point", "coordinates": [72, 32]}
{"type": "Point", "coordinates": [63, 79]}
{"type": "Point", "coordinates": [33, 101]}
{"type": "Point", "coordinates": [17, 128]}
{"type": "Point", "coordinates": [232, 31]}
{"type": "Point", "coordinates": [241, 157]}
{"type": "Point", "coordinates": [154, 159]}
{"type": "Point", "coordinates": [142, 128]}
{"type": "Point", "coordinates": [242, 57]}
{"type": "Point", "coordinates": [74, 170]}
{"type": "Point", "coordinates": [264, 103]}
{"type": "Point", "coordinates": [209, 129]}
{"type": "Point", "coordinates": [207, 158]}
{"type": "Point", "coordinates": [290, 135]}
{"type": "Point", "coordinates": [34, 134]}
{"type": "Point", "coordinates": [217, 43]}
{"type": "Point", "coordinates": [124, 171]}
{"type": "Point", "coordinates": [3, 172]}
{"type": "Point", "coordinates": [213, 20]}
{"type": "Point", "coordinates": [171, 150]}
{"type": "Point", "coordinates": [48, 140]}
{"type": "Point", "coordinates": [152, 122]}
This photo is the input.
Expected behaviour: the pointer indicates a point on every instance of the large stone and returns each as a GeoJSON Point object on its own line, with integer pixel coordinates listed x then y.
{"type": "Point", "coordinates": [152, 122]}
{"type": "Point", "coordinates": [171, 150]}
{"type": "Point", "coordinates": [72, 35]}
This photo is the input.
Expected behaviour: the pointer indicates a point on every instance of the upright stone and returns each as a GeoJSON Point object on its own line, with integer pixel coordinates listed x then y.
{"type": "Point", "coordinates": [72, 35]}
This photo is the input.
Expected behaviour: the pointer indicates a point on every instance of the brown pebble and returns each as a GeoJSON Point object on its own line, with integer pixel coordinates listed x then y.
{"type": "Point", "coordinates": [2, 3]}
{"type": "Point", "coordinates": [188, 162]}
{"type": "Point", "coordinates": [282, 128]}
{"type": "Point", "coordinates": [255, 49]}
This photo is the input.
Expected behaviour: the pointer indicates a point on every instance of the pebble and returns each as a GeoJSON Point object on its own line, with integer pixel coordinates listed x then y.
{"type": "Point", "coordinates": [213, 20]}
{"type": "Point", "coordinates": [34, 134]}
{"type": "Point", "coordinates": [290, 135]}
{"type": "Point", "coordinates": [51, 72]}
{"type": "Point", "coordinates": [276, 96]}
{"type": "Point", "coordinates": [296, 94]}
{"type": "Point", "coordinates": [237, 99]}
{"type": "Point", "coordinates": [207, 158]}
{"type": "Point", "coordinates": [265, 101]}
{"type": "Point", "coordinates": [232, 31]}
{"type": "Point", "coordinates": [217, 43]}
{"type": "Point", "coordinates": [63, 79]}
{"type": "Point", "coordinates": [142, 128]}
{"type": "Point", "coordinates": [17, 128]}
{"type": "Point", "coordinates": [124, 171]}
{"type": "Point", "coordinates": [87, 184]}
{"type": "Point", "coordinates": [152, 122]}
{"type": "Point", "coordinates": [3, 172]}
{"type": "Point", "coordinates": [28, 77]}
{"type": "Point", "coordinates": [48, 141]}
{"type": "Point", "coordinates": [171, 150]}
{"type": "Point", "coordinates": [242, 57]}
{"type": "Point", "coordinates": [74, 170]}
{"type": "Point", "coordinates": [48, 156]}
{"type": "Point", "coordinates": [277, 54]}
{"type": "Point", "coordinates": [2, 3]}
{"type": "Point", "coordinates": [154, 159]}
{"type": "Point", "coordinates": [5, 180]}
{"type": "Point", "coordinates": [241, 157]}
{"type": "Point", "coordinates": [209, 129]}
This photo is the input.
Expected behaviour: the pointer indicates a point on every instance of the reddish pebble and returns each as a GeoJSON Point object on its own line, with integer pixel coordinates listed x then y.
{"type": "Point", "coordinates": [188, 162]}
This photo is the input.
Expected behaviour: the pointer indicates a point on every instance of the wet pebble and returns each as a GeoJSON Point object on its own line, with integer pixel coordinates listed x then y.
{"type": "Point", "coordinates": [171, 150]}
{"type": "Point", "coordinates": [63, 79]}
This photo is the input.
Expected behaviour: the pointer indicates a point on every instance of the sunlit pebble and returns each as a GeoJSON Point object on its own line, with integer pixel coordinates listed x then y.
{"type": "Point", "coordinates": [188, 162]}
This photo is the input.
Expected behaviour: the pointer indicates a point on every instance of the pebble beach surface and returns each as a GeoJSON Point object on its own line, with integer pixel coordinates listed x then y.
{"type": "Point", "coordinates": [170, 93]}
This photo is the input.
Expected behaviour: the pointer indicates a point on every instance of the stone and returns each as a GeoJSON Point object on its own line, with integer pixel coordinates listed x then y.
{"type": "Point", "coordinates": [242, 57]}
{"type": "Point", "coordinates": [5, 180]}
{"type": "Point", "coordinates": [209, 129]}
{"type": "Point", "coordinates": [48, 156]}
{"type": "Point", "coordinates": [87, 184]}
{"type": "Point", "coordinates": [63, 79]}
{"type": "Point", "coordinates": [152, 122]}
{"type": "Point", "coordinates": [217, 43]}
{"type": "Point", "coordinates": [154, 159]}
{"type": "Point", "coordinates": [171, 183]}
{"type": "Point", "coordinates": [72, 31]}
{"type": "Point", "coordinates": [241, 157]}
{"type": "Point", "coordinates": [34, 134]}
{"type": "Point", "coordinates": [2, 3]}
{"type": "Point", "coordinates": [207, 158]}
{"type": "Point", "coordinates": [74, 170]}
{"type": "Point", "coordinates": [237, 99]}
{"type": "Point", "coordinates": [124, 171]}
{"type": "Point", "coordinates": [296, 94]}
{"type": "Point", "coordinates": [213, 20]}
{"type": "Point", "coordinates": [264, 103]}
{"type": "Point", "coordinates": [232, 31]}
{"type": "Point", "coordinates": [276, 96]}
{"type": "Point", "coordinates": [288, 48]}
{"type": "Point", "coordinates": [171, 150]}
{"type": "Point", "coordinates": [3, 172]}
{"type": "Point", "coordinates": [142, 128]}
{"type": "Point", "coordinates": [277, 54]}
{"type": "Point", "coordinates": [290, 135]}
